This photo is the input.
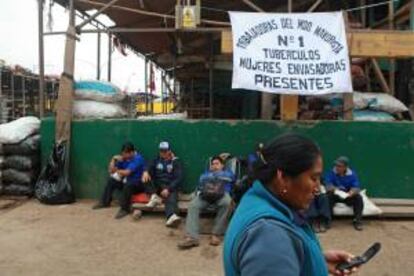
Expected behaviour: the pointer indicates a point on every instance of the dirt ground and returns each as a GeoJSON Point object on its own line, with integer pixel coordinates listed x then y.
{"type": "Point", "coordinates": [74, 240]}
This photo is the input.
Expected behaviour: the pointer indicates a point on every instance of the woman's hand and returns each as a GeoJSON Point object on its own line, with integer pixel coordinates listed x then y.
{"type": "Point", "coordinates": [335, 257]}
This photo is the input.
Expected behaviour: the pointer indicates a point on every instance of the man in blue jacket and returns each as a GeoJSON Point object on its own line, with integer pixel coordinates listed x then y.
{"type": "Point", "coordinates": [213, 191]}
{"type": "Point", "coordinates": [127, 173]}
{"type": "Point", "coordinates": [343, 186]}
{"type": "Point", "coordinates": [166, 174]}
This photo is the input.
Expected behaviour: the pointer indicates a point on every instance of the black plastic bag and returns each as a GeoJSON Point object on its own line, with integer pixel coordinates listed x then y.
{"type": "Point", "coordinates": [13, 176]}
{"type": "Point", "coordinates": [21, 163]}
{"type": "Point", "coordinates": [53, 185]}
{"type": "Point", "coordinates": [28, 146]}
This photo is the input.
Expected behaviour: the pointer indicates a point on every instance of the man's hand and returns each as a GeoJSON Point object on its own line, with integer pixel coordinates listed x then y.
{"type": "Point", "coordinates": [335, 257]}
{"type": "Point", "coordinates": [165, 193]}
{"type": "Point", "coordinates": [145, 177]}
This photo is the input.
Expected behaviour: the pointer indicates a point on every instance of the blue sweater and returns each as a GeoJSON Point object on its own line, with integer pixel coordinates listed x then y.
{"type": "Point", "coordinates": [136, 165]}
{"type": "Point", "coordinates": [225, 175]}
{"type": "Point", "coordinates": [345, 183]}
{"type": "Point", "coordinates": [265, 237]}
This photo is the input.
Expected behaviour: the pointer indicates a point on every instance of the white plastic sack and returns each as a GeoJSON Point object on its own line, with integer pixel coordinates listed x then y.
{"type": "Point", "coordinates": [99, 91]}
{"type": "Point", "coordinates": [378, 101]}
{"type": "Point", "coordinates": [96, 110]}
{"type": "Point", "coordinates": [18, 130]}
{"type": "Point", "coordinates": [370, 209]}
{"type": "Point", "coordinates": [372, 116]}
{"type": "Point", "coordinates": [171, 116]}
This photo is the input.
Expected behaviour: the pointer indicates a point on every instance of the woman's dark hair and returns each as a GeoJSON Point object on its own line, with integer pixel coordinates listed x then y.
{"type": "Point", "coordinates": [216, 157]}
{"type": "Point", "coordinates": [292, 154]}
{"type": "Point", "coordinates": [128, 147]}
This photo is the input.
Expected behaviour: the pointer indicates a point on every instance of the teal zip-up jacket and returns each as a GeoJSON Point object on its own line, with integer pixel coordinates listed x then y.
{"type": "Point", "coordinates": [265, 237]}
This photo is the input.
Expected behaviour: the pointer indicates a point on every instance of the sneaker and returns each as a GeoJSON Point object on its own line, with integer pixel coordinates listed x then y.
{"type": "Point", "coordinates": [121, 213]}
{"type": "Point", "coordinates": [357, 225]}
{"type": "Point", "coordinates": [154, 201]}
{"type": "Point", "coordinates": [98, 206]}
{"type": "Point", "coordinates": [173, 221]}
{"type": "Point", "coordinates": [137, 214]}
{"type": "Point", "coordinates": [188, 243]}
{"type": "Point", "coordinates": [215, 241]}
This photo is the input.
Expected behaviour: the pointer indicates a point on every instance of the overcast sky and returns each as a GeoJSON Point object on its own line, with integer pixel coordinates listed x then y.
{"type": "Point", "coordinates": [19, 45]}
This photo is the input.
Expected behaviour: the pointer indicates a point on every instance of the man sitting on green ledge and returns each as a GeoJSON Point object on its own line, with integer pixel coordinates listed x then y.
{"type": "Point", "coordinates": [128, 173]}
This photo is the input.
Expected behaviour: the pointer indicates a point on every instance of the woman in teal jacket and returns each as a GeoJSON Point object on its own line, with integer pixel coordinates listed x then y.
{"type": "Point", "coordinates": [268, 234]}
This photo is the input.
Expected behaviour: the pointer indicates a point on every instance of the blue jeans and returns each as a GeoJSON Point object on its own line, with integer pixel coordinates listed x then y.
{"type": "Point", "coordinates": [197, 205]}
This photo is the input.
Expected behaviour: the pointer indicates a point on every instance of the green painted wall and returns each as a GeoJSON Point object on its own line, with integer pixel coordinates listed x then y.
{"type": "Point", "coordinates": [383, 153]}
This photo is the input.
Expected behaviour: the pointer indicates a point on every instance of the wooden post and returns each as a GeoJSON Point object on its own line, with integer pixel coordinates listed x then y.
{"type": "Point", "coordinates": [289, 104]}
{"type": "Point", "coordinates": [380, 76]}
{"type": "Point", "coordinates": [348, 97]}
{"type": "Point", "coordinates": [392, 61]}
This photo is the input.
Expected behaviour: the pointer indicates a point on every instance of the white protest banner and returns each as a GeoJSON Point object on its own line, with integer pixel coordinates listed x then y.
{"type": "Point", "coordinates": [294, 53]}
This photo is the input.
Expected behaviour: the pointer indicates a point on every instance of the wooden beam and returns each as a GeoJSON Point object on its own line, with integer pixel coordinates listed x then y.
{"type": "Point", "coordinates": [289, 105]}
{"type": "Point", "coordinates": [253, 6]}
{"type": "Point", "coordinates": [363, 43]}
{"type": "Point", "coordinates": [149, 13]}
{"type": "Point", "coordinates": [380, 76]}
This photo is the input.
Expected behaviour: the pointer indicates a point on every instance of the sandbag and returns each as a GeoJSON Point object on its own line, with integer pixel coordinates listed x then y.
{"type": "Point", "coordinates": [21, 163]}
{"type": "Point", "coordinates": [99, 91]}
{"type": "Point", "coordinates": [370, 209]}
{"type": "Point", "coordinates": [29, 146]}
{"type": "Point", "coordinates": [96, 110]}
{"type": "Point", "coordinates": [18, 130]}
{"type": "Point", "coordinates": [13, 176]}
{"type": "Point", "coordinates": [378, 101]}
{"type": "Point", "coordinates": [53, 185]}
{"type": "Point", "coordinates": [16, 190]}
{"type": "Point", "coordinates": [372, 116]}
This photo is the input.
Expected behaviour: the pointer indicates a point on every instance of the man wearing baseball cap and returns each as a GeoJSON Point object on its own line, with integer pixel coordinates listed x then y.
{"type": "Point", "coordinates": [166, 174]}
{"type": "Point", "coordinates": [343, 186]}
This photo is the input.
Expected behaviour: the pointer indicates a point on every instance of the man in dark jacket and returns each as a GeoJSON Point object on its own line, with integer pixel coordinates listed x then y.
{"type": "Point", "coordinates": [166, 174]}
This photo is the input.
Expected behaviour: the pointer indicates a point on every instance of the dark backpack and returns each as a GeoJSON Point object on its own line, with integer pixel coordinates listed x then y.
{"type": "Point", "coordinates": [213, 190]}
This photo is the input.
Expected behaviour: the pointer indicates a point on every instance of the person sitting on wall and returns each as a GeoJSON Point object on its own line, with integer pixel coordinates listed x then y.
{"type": "Point", "coordinates": [252, 158]}
{"type": "Point", "coordinates": [319, 212]}
{"type": "Point", "coordinates": [243, 185]}
{"type": "Point", "coordinates": [128, 173]}
{"type": "Point", "coordinates": [213, 191]}
{"type": "Point", "coordinates": [343, 186]}
{"type": "Point", "coordinates": [166, 174]}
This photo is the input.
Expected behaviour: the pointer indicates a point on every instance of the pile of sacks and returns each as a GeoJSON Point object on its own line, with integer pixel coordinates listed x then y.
{"type": "Point", "coordinates": [19, 156]}
{"type": "Point", "coordinates": [98, 99]}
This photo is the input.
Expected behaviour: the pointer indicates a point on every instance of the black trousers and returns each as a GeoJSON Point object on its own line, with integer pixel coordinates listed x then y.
{"type": "Point", "coordinates": [320, 209]}
{"type": "Point", "coordinates": [128, 190]}
{"type": "Point", "coordinates": [355, 201]}
{"type": "Point", "coordinates": [171, 202]}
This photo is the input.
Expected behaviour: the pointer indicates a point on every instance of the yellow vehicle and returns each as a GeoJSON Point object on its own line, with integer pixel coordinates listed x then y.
{"type": "Point", "coordinates": [159, 107]}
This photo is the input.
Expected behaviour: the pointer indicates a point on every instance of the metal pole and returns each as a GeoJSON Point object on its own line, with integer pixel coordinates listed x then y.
{"type": "Point", "coordinates": [23, 96]}
{"type": "Point", "coordinates": [109, 56]}
{"type": "Point", "coordinates": [98, 58]}
{"type": "Point", "coordinates": [41, 59]}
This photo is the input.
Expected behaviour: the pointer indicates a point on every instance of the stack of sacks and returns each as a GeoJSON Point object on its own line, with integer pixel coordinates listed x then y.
{"type": "Point", "coordinates": [370, 106]}
{"type": "Point", "coordinates": [19, 156]}
{"type": "Point", "coordinates": [98, 99]}
{"type": "Point", "coordinates": [376, 107]}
